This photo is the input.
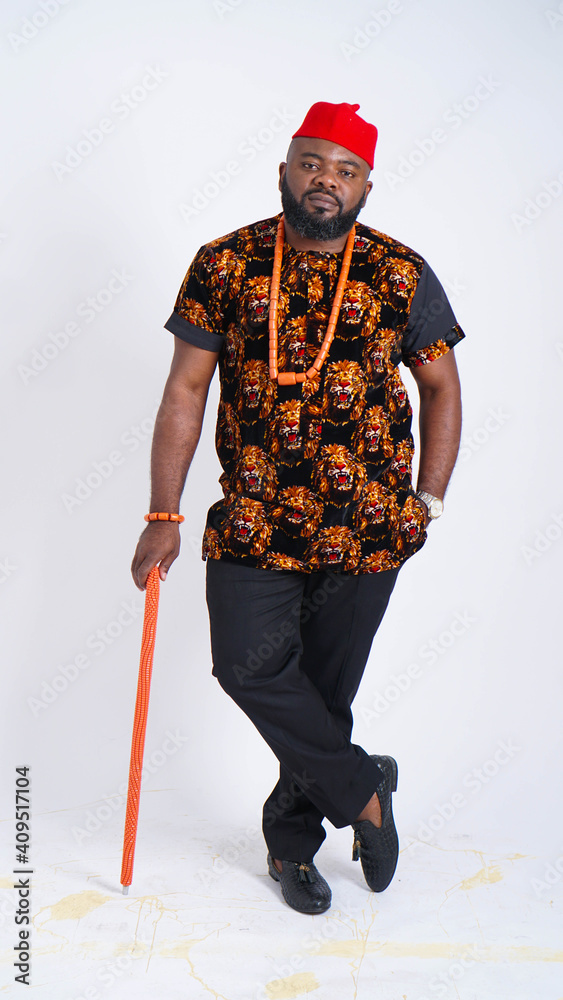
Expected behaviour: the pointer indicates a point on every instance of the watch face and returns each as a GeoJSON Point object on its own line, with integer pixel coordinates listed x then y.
{"type": "Point", "coordinates": [435, 508]}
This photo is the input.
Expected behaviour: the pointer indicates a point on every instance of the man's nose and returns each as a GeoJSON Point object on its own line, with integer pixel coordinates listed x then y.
{"type": "Point", "coordinates": [326, 178]}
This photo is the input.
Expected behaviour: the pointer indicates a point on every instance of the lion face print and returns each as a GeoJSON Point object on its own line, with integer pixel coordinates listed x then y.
{"type": "Point", "coordinates": [255, 474]}
{"type": "Point", "coordinates": [372, 438]}
{"type": "Point", "coordinates": [360, 309]}
{"type": "Point", "coordinates": [256, 301]}
{"type": "Point", "coordinates": [196, 312]}
{"type": "Point", "coordinates": [377, 512]}
{"type": "Point", "coordinates": [227, 268]}
{"type": "Point", "coordinates": [377, 351]}
{"type": "Point", "coordinates": [284, 439]}
{"type": "Point", "coordinates": [410, 526]}
{"type": "Point", "coordinates": [253, 238]}
{"type": "Point", "coordinates": [378, 562]}
{"type": "Point", "coordinates": [337, 475]}
{"type": "Point", "coordinates": [345, 389]}
{"type": "Point", "coordinates": [255, 392]}
{"type": "Point", "coordinates": [334, 547]}
{"type": "Point", "coordinates": [299, 511]}
{"type": "Point", "coordinates": [247, 529]}
{"type": "Point", "coordinates": [398, 475]}
{"type": "Point", "coordinates": [396, 279]}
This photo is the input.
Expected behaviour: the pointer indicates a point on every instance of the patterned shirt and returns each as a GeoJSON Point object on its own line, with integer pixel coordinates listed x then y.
{"type": "Point", "coordinates": [315, 475]}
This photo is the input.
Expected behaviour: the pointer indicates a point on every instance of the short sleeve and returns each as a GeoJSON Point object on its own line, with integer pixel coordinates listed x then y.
{"type": "Point", "coordinates": [432, 329]}
{"type": "Point", "coordinates": [197, 316]}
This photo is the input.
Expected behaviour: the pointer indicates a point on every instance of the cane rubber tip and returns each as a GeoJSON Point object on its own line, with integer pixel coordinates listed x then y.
{"type": "Point", "coordinates": [125, 890]}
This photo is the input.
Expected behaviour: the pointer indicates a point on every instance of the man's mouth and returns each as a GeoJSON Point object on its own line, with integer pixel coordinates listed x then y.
{"type": "Point", "coordinates": [323, 200]}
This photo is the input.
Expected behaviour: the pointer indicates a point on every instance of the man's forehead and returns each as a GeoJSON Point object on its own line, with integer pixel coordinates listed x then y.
{"type": "Point", "coordinates": [324, 149]}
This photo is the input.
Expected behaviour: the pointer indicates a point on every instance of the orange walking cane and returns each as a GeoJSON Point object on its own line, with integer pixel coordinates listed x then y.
{"type": "Point", "coordinates": [139, 727]}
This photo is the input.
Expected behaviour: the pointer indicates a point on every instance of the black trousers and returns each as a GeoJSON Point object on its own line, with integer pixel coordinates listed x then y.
{"type": "Point", "coordinates": [290, 648]}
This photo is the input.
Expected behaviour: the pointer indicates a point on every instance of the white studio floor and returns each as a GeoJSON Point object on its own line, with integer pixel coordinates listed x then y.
{"type": "Point", "coordinates": [204, 921]}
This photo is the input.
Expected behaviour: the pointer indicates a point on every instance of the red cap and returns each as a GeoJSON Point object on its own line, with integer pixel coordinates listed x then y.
{"type": "Point", "coordinates": [339, 123]}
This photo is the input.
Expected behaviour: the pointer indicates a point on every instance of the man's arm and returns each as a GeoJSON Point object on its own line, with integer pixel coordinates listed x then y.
{"type": "Point", "coordinates": [176, 434]}
{"type": "Point", "coordinates": [439, 422]}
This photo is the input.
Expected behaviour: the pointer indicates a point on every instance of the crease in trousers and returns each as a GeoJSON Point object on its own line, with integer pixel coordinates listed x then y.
{"type": "Point", "coordinates": [290, 649]}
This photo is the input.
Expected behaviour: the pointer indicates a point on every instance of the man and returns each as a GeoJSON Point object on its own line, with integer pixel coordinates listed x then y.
{"type": "Point", "coordinates": [308, 315]}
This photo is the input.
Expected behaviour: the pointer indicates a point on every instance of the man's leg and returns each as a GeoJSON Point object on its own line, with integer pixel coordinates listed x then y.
{"type": "Point", "coordinates": [257, 648]}
{"type": "Point", "coordinates": [339, 618]}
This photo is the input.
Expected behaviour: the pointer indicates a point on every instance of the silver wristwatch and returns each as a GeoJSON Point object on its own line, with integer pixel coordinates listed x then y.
{"type": "Point", "coordinates": [434, 504]}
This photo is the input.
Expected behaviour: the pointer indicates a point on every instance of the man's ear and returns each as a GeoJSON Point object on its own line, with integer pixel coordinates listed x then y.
{"type": "Point", "coordinates": [282, 170]}
{"type": "Point", "coordinates": [369, 185]}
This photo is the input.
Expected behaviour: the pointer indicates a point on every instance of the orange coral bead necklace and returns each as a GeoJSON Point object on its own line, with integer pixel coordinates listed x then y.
{"type": "Point", "coordinates": [292, 378]}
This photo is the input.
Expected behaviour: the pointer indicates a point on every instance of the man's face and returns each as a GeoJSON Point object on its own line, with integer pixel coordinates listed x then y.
{"type": "Point", "coordinates": [323, 186]}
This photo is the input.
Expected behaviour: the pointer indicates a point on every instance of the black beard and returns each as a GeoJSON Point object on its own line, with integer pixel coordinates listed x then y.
{"type": "Point", "coordinates": [313, 225]}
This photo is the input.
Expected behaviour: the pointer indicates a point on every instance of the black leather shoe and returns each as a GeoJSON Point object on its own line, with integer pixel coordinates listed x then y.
{"type": "Point", "coordinates": [302, 886]}
{"type": "Point", "coordinates": [377, 847]}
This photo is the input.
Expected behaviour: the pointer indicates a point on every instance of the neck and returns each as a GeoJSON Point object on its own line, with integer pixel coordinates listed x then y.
{"type": "Point", "coordinates": [304, 243]}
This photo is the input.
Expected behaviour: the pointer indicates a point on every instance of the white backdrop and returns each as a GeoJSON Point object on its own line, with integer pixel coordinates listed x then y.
{"type": "Point", "coordinates": [132, 134]}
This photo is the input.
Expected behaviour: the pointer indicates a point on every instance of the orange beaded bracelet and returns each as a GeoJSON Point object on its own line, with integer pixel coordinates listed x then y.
{"type": "Point", "coordinates": [164, 517]}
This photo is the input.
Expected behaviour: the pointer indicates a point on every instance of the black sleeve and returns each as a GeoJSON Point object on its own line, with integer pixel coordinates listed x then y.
{"type": "Point", "coordinates": [432, 328]}
{"type": "Point", "coordinates": [197, 317]}
{"type": "Point", "coordinates": [182, 328]}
